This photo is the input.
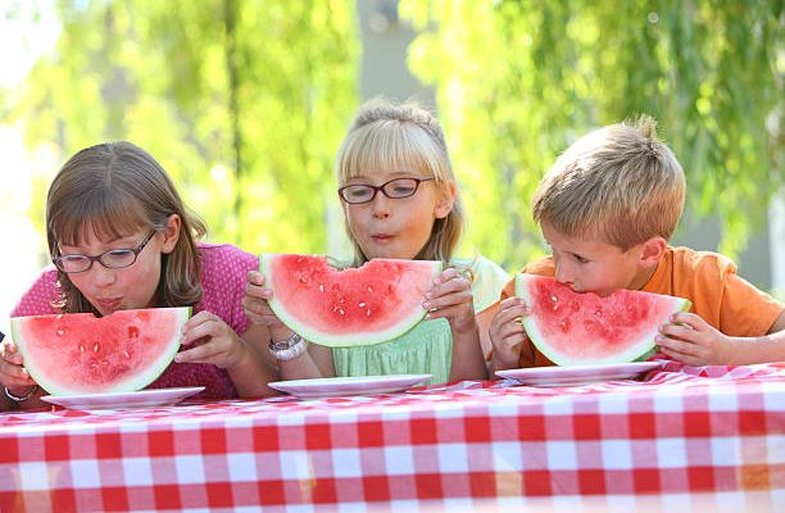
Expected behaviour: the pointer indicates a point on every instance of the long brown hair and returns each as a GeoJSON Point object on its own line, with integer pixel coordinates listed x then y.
{"type": "Point", "coordinates": [405, 136]}
{"type": "Point", "coordinates": [114, 189]}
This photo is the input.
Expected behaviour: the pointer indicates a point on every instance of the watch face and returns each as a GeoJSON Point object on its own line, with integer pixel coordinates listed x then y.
{"type": "Point", "coordinates": [288, 349]}
{"type": "Point", "coordinates": [281, 345]}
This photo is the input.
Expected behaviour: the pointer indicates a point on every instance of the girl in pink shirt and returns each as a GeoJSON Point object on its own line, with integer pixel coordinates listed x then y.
{"type": "Point", "coordinates": [121, 238]}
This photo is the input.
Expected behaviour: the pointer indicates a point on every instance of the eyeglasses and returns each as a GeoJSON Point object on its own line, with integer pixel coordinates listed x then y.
{"type": "Point", "coordinates": [396, 188]}
{"type": "Point", "coordinates": [112, 259]}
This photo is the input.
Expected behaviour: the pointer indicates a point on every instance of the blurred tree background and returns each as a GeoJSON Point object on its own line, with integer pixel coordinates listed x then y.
{"type": "Point", "coordinates": [517, 81]}
{"type": "Point", "coordinates": [245, 102]}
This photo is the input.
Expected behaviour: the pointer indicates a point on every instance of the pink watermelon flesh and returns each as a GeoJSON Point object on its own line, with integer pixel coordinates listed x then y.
{"type": "Point", "coordinates": [572, 328]}
{"type": "Point", "coordinates": [357, 306]}
{"type": "Point", "coordinates": [70, 354]}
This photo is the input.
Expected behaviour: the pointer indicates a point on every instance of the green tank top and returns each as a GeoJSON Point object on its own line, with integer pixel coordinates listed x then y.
{"type": "Point", "coordinates": [426, 348]}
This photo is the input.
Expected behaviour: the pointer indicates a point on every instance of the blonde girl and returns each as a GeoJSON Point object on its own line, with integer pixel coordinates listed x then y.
{"type": "Point", "coordinates": [400, 200]}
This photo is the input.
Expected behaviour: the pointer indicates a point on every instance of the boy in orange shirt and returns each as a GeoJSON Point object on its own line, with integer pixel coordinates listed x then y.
{"type": "Point", "coordinates": [607, 209]}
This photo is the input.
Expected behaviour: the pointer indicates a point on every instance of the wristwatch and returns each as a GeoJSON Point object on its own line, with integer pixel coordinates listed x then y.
{"type": "Point", "coordinates": [20, 398]}
{"type": "Point", "coordinates": [288, 349]}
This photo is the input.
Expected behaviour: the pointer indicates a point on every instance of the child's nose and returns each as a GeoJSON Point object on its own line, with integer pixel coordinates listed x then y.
{"type": "Point", "coordinates": [101, 275]}
{"type": "Point", "coordinates": [563, 275]}
{"type": "Point", "coordinates": [381, 205]}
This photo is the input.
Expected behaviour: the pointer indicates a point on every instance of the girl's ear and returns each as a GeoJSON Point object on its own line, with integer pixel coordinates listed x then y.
{"type": "Point", "coordinates": [171, 233]}
{"type": "Point", "coordinates": [445, 199]}
{"type": "Point", "coordinates": [652, 251]}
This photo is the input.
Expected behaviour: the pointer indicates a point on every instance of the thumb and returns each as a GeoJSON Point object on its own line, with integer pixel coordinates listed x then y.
{"type": "Point", "coordinates": [255, 278]}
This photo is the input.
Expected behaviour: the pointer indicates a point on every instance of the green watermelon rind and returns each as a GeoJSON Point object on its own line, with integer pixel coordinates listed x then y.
{"type": "Point", "coordinates": [354, 340]}
{"type": "Point", "coordinates": [644, 348]}
{"type": "Point", "coordinates": [137, 382]}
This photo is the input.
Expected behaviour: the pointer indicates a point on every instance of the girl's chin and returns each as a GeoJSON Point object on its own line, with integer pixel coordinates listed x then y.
{"type": "Point", "coordinates": [108, 308]}
{"type": "Point", "coordinates": [385, 252]}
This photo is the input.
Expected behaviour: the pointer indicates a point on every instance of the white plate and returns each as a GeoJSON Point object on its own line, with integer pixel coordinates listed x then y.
{"type": "Point", "coordinates": [355, 385]}
{"type": "Point", "coordinates": [149, 397]}
{"type": "Point", "coordinates": [578, 375]}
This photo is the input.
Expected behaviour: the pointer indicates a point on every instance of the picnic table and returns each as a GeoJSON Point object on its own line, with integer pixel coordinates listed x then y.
{"type": "Point", "coordinates": [681, 438]}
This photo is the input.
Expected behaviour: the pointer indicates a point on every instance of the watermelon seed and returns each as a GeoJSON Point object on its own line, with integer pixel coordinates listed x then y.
{"type": "Point", "coordinates": [369, 289]}
{"type": "Point", "coordinates": [368, 312]}
{"type": "Point", "coordinates": [339, 310]}
{"type": "Point", "coordinates": [95, 347]}
{"type": "Point", "coordinates": [361, 304]}
{"type": "Point", "coordinates": [125, 353]}
{"type": "Point", "coordinates": [321, 287]}
{"type": "Point", "coordinates": [554, 299]}
{"type": "Point", "coordinates": [81, 348]}
{"type": "Point", "coordinates": [303, 279]}
{"type": "Point", "coordinates": [60, 332]}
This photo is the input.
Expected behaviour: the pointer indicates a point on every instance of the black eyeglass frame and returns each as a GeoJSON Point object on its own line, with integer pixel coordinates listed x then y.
{"type": "Point", "coordinates": [382, 188]}
{"type": "Point", "coordinates": [58, 260]}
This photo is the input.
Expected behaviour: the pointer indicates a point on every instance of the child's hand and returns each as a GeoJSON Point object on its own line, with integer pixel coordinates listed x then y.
{"type": "Point", "coordinates": [507, 335]}
{"type": "Point", "coordinates": [12, 374]}
{"type": "Point", "coordinates": [691, 340]}
{"type": "Point", "coordinates": [451, 298]}
{"type": "Point", "coordinates": [257, 309]}
{"type": "Point", "coordinates": [213, 342]}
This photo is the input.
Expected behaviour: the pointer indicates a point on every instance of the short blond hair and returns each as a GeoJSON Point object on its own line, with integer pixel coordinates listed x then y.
{"type": "Point", "coordinates": [619, 184]}
{"type": "Point", "coordinates": [386, 135]}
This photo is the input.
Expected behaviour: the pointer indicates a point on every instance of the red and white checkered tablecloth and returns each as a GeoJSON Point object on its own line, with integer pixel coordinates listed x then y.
{"type": "Point", "coordinates": [680, 434]}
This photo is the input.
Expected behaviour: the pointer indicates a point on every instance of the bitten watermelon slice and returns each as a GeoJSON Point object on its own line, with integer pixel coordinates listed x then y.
{"type": "Point", "coordinates": [352, 307]}
{"type": "Point", "coordinates": [572, 328]}
{"type": "Point", "coordinates": [82, 354]}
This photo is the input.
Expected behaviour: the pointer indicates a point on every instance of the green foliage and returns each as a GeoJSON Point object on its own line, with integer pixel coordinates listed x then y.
{"type": "Point", "coordinates": [243, 102]}
{"type": "Point", "coordinates": [517, 81]}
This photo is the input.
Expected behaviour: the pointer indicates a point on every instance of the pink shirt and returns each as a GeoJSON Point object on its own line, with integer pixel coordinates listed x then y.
{"type": "Point", "coordinates": [224, 268]}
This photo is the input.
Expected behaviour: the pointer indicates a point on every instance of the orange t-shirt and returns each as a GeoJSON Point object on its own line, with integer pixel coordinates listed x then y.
{"type": "Point", "coordinates": [720, 296]}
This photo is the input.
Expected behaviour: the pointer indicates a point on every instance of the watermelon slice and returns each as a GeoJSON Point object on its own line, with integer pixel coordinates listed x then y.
{"type": "Point", "coordinates": [352, 307]}
{"type": "Point", "coordinates": [572, 328]}
{"type": "Point", "coordinates": [82, 354]}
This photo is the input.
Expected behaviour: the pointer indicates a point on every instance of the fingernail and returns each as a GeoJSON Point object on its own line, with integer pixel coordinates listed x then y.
{"type": "Point", "coordinates": [426, 305]}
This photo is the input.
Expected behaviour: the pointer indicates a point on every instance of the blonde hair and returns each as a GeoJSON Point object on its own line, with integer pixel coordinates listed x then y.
{"type": "Point", "coordinates": [113, 190]}
{"type": "Point", "coordinates": [618, 183]}
{"type": "Point", "coordinates": [404, 137]}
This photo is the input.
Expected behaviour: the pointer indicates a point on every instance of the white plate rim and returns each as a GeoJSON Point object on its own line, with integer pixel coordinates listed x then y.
{"type": "Point", "coordinates": [348, 385]}
{"type": "Point", "coordinates": [113, 400]}
{"type": "Point", "coordinates": [578, 374]}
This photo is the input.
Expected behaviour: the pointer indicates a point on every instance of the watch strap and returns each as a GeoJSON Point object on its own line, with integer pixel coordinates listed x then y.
{"type": "Point", "coordinates": [288, 349]}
